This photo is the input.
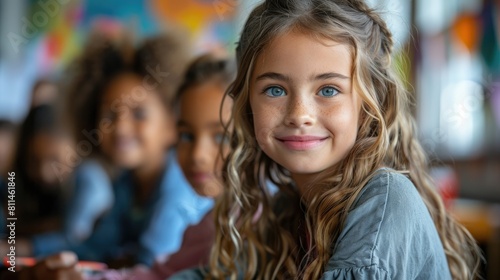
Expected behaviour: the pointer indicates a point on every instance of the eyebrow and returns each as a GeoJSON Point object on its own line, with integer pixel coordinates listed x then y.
{"type": "Point", "coordinates": [273, 76]}
{"type": "Point", "coordinates": [281, 77]}
{"type": "Point", "coordinates": [329, 75]}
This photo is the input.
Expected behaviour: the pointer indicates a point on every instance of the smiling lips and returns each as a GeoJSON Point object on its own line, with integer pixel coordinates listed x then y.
{"type": "Point", "coordinates": [199, 177]}
{"type": "Point", "coordinates": [301, 142]}
{"type": "Point", "coordinates": [124, 144]}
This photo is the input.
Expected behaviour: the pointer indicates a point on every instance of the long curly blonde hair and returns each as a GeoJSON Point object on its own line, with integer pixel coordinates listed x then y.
{"type": "Point", "coordinates": [268, 247]}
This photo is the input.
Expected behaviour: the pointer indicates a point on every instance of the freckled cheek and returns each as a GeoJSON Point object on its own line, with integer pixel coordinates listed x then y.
{"type": "Point", "coordinates": [265, 120]}
{"type": "Point", "coordinates": [342, 122]}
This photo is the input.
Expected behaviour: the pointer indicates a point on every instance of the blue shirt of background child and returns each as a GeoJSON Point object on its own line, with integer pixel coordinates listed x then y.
{"type": "Point", "coordinates": [152, 231]}
{"type": "Point", "coordinates": [91, 198]}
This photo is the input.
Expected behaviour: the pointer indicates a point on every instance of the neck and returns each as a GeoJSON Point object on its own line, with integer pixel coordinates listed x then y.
{"type": "Point", "coordinates": [307, 185]}
{"type": "Point", "coordinates": [312, 184]}
{"type": "Point", "coordinates": [146, 178]}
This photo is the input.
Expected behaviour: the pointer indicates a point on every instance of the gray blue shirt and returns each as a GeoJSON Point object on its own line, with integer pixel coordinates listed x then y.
{"type": "Point", "coordinates": [388, 234]}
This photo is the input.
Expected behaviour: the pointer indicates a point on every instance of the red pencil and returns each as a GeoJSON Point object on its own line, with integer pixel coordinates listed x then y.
{"type": "Point", "coordinates": [26, 262]}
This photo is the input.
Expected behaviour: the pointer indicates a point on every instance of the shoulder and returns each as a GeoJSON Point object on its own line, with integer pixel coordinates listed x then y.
{"type": "Point", "coordinates": [388, 220]}
{"type": "Point", "coordinates": [90, 176]}
{"type": "Point", "coordinates": [394, 200]}
{"type": "Point", "coordinates": [90, 167]}
{"type": "Point", "coordinates": [381, 194]}
{"type": "Point", "coordinates": [189, 208]}
{"type": "Point", "coordinates": [177, 196]}
{"type": "Point", "coordinates": [390, 189]}
{"type": "Point", "coordinates": [173, 180]}
{"type": "Point", "coordinates": [385, 181]}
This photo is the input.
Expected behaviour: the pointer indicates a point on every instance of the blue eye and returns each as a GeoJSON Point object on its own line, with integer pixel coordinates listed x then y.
{"type": "Point", "coordinates": [274, 91]}
{"type": "Point", "coordinates": [186, 137]}
{"type": "Point", "coordinates": [221, 138]}
{"type": "Point", "coordinates": [328, 92]}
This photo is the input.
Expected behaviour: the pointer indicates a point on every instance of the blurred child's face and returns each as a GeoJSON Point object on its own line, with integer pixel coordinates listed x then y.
{"type": "Point", "coordinates": [305, 108]}
{"type": "Point", "coordinates": [200, 136]}
{"type": "Point", "coordinates": [46, 153]}
{"type": "Point", "coordinates": [141, 127]}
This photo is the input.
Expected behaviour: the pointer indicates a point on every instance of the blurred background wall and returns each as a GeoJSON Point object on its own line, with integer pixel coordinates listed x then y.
{"type": "Point", "coordinates": [40, 37]}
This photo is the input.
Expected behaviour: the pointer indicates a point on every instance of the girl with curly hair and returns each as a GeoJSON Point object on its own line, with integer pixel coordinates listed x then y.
{"type": "Point", "coordinates": [319, 111]}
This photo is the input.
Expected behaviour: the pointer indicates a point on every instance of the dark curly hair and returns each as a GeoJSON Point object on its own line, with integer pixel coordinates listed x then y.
{"type": "Point", "coordinates": [207, 68]}
{"type": "Point", "coordinates": [104, 59]}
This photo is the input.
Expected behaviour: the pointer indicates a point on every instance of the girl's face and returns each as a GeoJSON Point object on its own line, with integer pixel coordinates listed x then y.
{"type": "Point", "coordinates": [200, 136]}
{"type": "Point", "coordinates": [305, 109]}
{"type": "Point", "coordinates": [139, 126]}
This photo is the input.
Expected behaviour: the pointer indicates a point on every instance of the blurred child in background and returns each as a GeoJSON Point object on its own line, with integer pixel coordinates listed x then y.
{"type": "Point", "coordinates": [200, 152]}
{"type": "Point", "coordinates": [42, 191]}
{"type": "Point", "coordinates": [50, 160]}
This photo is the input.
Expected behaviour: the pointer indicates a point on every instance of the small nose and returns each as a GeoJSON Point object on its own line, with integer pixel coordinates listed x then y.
{"type": "Point", "coordinates": [200, 152]}
{"type": "Point", "coordinates": [299, 112]}
{"type": "Point", "coordinates": [123, 123]}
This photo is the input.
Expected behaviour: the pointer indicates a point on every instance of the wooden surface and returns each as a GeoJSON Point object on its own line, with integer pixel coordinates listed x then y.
{"type": "Point", "coordinates": [479, 218]}
{"type": "Point", "coordinates": [483, 222]}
